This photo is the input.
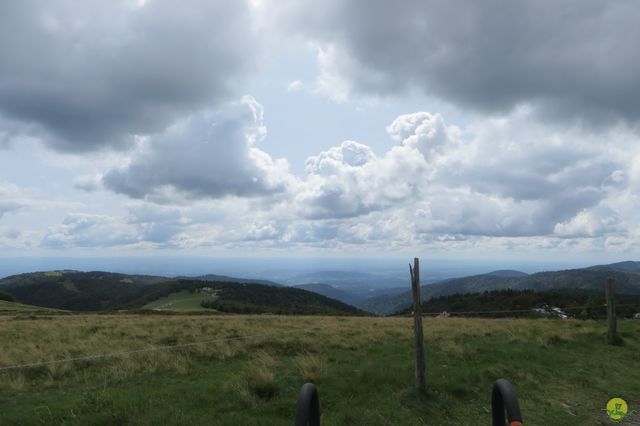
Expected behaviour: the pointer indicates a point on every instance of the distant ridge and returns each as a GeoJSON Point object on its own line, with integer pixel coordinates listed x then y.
{"type": "Point", "coordinates": [225, 278]}
{"type": "Point", "coordinates": [106, 291]}
{"type": "Point", "coordinates": [591, 278]}
{"type": "Point", "coordinates": [509, 273]}
{"type": "Point", "coordinates": [628, 266]}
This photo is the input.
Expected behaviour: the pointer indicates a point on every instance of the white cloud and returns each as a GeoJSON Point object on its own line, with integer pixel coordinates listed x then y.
{"type": "Point", "coordinates": [589, 223]}
{"type": "Point", "coordinates": [501, 182]}
{"type": "Point", "coordinates": [294, 86]}
{"type": "Point", "coordinates": [509, 177]}
{"type": "Point", "coordinates": [350, 180]}
{"type": "Point", "coordinates": [209, 154]}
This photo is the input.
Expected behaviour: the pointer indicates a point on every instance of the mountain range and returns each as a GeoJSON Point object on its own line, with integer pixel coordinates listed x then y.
{"type": "Point", "coordinates": [100, 291]}
{"type": "Point", "coordinates": [626, 274]}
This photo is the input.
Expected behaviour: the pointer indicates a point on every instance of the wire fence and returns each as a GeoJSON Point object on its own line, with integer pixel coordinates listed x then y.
{"type": "Point", "coordinates": [548, 309]}
{"type": "Point", "coordinates": [279, 333]}
{"type": "Point", "coordinates": [152, 349]}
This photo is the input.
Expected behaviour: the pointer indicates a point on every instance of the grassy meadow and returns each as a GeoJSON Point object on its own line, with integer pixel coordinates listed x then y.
{"type": "Point", "coordinates": [181, 301]}
{"type": "Point", "coordinates": [363, 366]}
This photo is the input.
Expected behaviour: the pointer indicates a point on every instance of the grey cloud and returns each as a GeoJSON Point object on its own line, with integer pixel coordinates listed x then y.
{"type": "Point", "coordinates": [574, 58]}
{"type": "Point", "coordinates": [209, 154]}
{"type": "Point", "coordinates": [8, 206]}
{"type": "Point", "coordinates": [90, 74]}
{"type": "Point", "coordinates": [87, 182]}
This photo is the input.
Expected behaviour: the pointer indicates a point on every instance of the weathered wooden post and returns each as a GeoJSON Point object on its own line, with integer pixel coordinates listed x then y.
{"type": "Point", "coordinates": [612, 331]}
{"type": "Point", "coordinates": [421, 381]}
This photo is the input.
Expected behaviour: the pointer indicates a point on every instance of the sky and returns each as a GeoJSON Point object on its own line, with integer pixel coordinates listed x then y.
{"type": "Point", "coordinates": [305, 129]}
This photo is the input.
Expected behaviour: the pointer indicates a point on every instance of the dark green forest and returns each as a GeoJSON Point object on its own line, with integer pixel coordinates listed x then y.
{"type": "Point", "coordinates": [260, 299]}
{"type": "Point", "coordinates": [582, 304]}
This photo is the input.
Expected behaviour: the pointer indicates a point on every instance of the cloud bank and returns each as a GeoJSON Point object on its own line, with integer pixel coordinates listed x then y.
{"type": "Point", "coordinates": [505, 177]}
{"type": "Point", "coordinates": [577, 59]}
{"type": "Point", "coordinates": [87, 75]}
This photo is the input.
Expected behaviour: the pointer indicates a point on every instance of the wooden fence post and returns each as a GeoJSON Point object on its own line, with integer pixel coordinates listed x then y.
{"type": "Point", "coordinates": [421, 381]}
{"type": "Point", "coordinates": [612, 331]}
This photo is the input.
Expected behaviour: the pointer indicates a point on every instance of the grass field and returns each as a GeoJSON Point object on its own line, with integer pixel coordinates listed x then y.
{"type": "Point", "coordinates": [563, 370]}
{"type": "Point", "coordinates": [181, 301]}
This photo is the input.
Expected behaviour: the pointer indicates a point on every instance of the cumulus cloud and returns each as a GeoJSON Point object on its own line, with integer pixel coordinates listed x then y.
{"type": "Point", "coordinates": [501, 177]}
{"type": "Point", "coordinates": [589, 223]}
{"type": "Point", "coordinates": [349, 180]}
{"type": "Point", "coordinates": [575, 59]}
{"type": "Point", "coordinates": [90, 74]}
{"type": "Point", "coordinates": [209, 154]}
{"type": "Point", "coordinates": [508, 177]}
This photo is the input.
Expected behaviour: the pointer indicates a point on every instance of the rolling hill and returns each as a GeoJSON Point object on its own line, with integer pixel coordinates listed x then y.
{"type": "Point", "coordinates": [508, 273]}
{"type": "Point", "coordinates": [80, 291]}
{"type": "Point", "coordinates": [105, 291]}
{"type": "Point", "coordinates": [627, 266]}
{"type": "Point", "coordinates": [256, 298]}
{"type": "Point", "coordinates": [592, 278]}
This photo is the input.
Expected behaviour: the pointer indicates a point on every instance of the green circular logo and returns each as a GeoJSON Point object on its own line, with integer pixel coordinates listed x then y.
{"type": "Point", "coordinates": [617, 409]}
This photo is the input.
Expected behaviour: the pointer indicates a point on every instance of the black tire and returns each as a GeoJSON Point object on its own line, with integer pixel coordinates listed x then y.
{"type": "Point", "coordinates": [504, 398]}
{"type": "Point", "coordinates": [308, 406]}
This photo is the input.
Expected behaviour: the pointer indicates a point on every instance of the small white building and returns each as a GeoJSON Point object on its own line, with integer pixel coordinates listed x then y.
{"type": "Point", "coordinates": [636, 316]}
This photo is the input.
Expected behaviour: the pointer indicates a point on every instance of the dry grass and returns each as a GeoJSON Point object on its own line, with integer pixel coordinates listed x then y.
{"type": "Point", "coordinates": [312, 368]}
{"type": "Point", "coordinates": [29, 340]}
{"type": "Point", "coordinates": [345, 356]}
{"type": "Point", "coordinates": [308, 338]}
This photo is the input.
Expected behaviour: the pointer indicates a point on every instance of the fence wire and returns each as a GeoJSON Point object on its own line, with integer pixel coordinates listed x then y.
{"type": "Point", "coordinates": [252, 336]}
{"type": "Point", "coordinates": [137, 351]}
{"type": "Point", "coordinates": [532, 310]}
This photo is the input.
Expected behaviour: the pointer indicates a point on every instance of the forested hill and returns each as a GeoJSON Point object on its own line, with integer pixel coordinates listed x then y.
{"type": "Point", "coordinates": [583, 304]}
{"type": "Point", "coordinates": [104, 291]}
{"type": "Point", "coordinates": [592, 278]}
{"type": "Point", "coordinates": [72, 276]}
{"type": "Point", "coordinates": [258, 299]}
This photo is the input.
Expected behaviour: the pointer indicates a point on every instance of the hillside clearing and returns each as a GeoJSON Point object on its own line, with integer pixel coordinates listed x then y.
{"type": "Point", "coordinates": [181, 301]}
{"type": "Point", "coordinates": [563, 371]}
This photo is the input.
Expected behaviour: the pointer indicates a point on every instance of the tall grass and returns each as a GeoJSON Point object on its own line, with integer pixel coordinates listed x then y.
{"type": "Point", "coordinates": [563, 370]}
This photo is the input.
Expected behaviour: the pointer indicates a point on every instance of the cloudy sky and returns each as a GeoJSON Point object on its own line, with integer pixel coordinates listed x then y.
{"type": "Point", "coordinates": [315, 128]}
